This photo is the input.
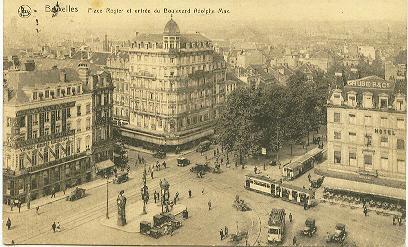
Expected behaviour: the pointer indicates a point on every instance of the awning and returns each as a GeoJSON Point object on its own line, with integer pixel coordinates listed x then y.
{"type": "Point", "coordinates": [375, 189]}
{"type": "Point", "coordinates": [104, 165]}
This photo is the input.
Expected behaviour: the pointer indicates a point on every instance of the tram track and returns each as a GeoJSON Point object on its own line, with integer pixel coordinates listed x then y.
{"type": "Point", "coordinates": [97, 211]}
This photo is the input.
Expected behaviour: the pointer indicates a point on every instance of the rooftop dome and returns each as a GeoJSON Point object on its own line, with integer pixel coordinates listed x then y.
{"type": "Point", "coordinates": [171, 28]}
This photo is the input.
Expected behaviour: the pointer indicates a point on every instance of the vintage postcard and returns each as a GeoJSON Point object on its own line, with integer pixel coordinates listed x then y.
{"type": "Point", "coordinates": [208, 123]}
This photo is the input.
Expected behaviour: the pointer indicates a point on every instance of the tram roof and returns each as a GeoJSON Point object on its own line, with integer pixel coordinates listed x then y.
{"type": "Point", "coordinates": [262, 177]}
{"type": "Point", "coordinates": [298, 162]}
{"type": "Point", "coordinates": [277, 216]}
{"type": "Point", "coordinates": [297, 188]}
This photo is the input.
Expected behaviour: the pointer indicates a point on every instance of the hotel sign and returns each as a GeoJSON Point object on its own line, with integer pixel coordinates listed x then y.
{"type": "Point", "coordinates": [384, 131]}
{"type": "Point", "coordinates": [370, 84]}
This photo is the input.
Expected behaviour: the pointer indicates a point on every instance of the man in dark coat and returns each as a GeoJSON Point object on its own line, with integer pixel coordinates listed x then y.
{"type": "Point", "coordinates": [8, 223]}
{"type": "Point", "coordinates": [53, 226]}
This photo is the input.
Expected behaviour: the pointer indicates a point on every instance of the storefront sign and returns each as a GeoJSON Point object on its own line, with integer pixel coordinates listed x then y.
{"type": "Point", "coordinates": [384, 131]}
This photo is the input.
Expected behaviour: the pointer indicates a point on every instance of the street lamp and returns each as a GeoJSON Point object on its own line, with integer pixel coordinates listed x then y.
{"type": "Point", "coordinates": [107, 198]}
{"type": "Point", "coordinates": [145, 192]}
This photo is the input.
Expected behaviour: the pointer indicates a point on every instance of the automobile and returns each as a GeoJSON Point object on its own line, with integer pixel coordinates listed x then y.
{"type": "Point", "coordinates": [339, 234]}
{"type": "Point", "coordinates": [159, 154]}
{"type": "Point", "coordinates": [204, 146]}
{"type": "Point", "coordinates": [76, 194]}
{"type": "Point", "coordinates": [121, 178]}
{"type": "Point", "coordinates": [310, 227]}
{"type": "Point", "coordinates": [200, 169]}
{"type": "Point", "coordinates": [181, 161]}
{"type": "Point", "coordinates": [316, 183]}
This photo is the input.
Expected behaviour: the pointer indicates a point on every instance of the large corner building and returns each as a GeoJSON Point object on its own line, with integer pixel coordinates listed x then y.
{"type": "Point", "coordinates": [366, 130]}
{"type": "Point", "coordinates": [57, 130]}
{"type": "Point", "coordinates": [168, 88]}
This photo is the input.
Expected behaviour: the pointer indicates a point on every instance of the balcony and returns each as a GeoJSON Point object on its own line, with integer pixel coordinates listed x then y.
{"type": "Point", "coordinates": [57, 162]}
{"type": "Point", "coordinates": [46, 138]}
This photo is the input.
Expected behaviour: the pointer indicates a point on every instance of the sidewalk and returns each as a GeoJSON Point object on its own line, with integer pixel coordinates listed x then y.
{"type": "Point", "coordinates": [58, 196]}
{"type": "Point", "coordinates": [141, 150]}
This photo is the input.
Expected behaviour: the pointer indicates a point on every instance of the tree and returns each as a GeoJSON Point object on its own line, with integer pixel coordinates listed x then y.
{"type": "Point", "coordinates": [237, 129]}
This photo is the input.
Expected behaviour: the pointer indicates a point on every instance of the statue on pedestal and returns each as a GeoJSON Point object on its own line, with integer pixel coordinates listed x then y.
{"type": "Point", "coordinates": [165, 194]}
{"type": "Point", "coordinates": [121, 202]}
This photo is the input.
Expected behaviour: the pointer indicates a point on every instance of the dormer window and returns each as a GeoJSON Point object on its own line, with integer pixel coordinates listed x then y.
{"type": "Point", "coordinates": [34, 95]}
{"type": "Point", "coordinates": [352, 99]}
{"type": "Point", "coordinates": [41, 95]}
{"type": "Point", "coordinates": [47, 94]}
{"type": "Point", "coordinates": [368, 100]}
{"type": "Point", "coordinates": [383, 103]}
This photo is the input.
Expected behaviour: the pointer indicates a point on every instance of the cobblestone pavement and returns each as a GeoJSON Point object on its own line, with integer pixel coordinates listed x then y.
{"type": "Point", "coordinates": [81, 220]}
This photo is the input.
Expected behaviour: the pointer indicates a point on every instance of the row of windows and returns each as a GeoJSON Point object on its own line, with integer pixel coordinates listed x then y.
{"type": "Point", "coordinates": [368, 161]}
{"type": "Point", "coordinates": [47, 155]}
{"type": "Point", "coordinates": [56, 93]}
{"type": "Point", "coordinates": [22, 120]}
{"type": "Point", "coordinates": [368, 140]}
{"type": "Point", "coordinates": [368, 120]}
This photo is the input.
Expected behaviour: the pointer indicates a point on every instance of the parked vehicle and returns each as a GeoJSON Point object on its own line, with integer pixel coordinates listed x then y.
{"type": "Point", "coordinates": [316, 183]}
{"type": "Point", "coordinates": [160, 154]}
{"type": "Point", "coordinates": [181, 161]}
{"type": "Point", "coordinates": [204, 146]}
{"type": "Point", "coordinates": [121, 178]}
{"type": "Point", "coordinates": [339, 234]}
{"type": "Point", "coordinates": [310, 227]}
{"type": "Point", "coordinates": [78, 193]}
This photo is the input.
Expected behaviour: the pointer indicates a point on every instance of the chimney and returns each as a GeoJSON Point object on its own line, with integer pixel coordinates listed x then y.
{"type": "Point", "coordinates": [29, 65]}
{"type": "Point", "coordinates": [83, 71]}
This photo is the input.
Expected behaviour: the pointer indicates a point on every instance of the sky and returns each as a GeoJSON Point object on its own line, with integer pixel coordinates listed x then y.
{"type": "Point", "coordinates": [239, 10]}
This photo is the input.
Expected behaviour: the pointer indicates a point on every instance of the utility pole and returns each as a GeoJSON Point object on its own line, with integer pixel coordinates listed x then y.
{"type": "Point", "coordinates": [107, 198]}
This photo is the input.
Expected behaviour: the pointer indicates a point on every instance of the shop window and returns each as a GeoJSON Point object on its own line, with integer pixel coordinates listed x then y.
{"type": "Point", "coordinates": [384, 163]}
{"type": "Point", "coordinates": [337, 157]}
{"type": "Point", "coordinates": [368, 159]}
{"type": "Point", "coordinates": [352, 159]}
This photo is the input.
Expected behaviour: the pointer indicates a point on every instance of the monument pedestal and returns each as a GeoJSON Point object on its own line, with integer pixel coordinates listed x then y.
{"type": "Point", "coordinates": [134, 215]}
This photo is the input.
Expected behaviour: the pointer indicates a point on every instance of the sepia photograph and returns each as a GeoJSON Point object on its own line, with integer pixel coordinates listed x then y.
{"type": "Point", "coordinates": [204, 123]}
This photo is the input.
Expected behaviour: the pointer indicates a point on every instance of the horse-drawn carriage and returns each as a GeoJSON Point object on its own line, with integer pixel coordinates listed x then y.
{"type": "Point", "coordinates": [240, 204]}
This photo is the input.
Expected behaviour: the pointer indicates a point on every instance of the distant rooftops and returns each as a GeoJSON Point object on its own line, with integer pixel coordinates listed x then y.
{"type": "Point", "coordinates": [32, 79]}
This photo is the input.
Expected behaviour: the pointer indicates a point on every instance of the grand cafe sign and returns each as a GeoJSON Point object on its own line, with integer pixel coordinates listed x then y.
{"type": "Point", "coordinates": [370, 84]}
